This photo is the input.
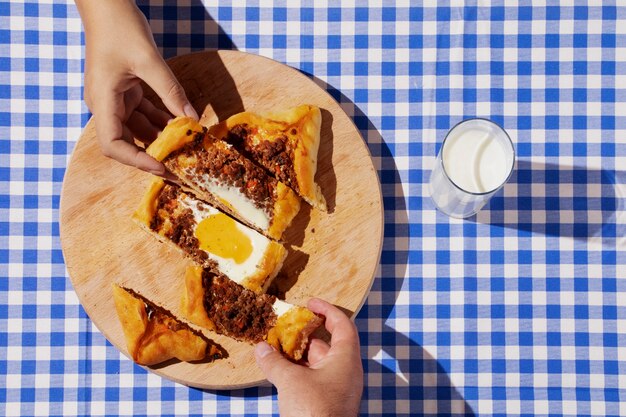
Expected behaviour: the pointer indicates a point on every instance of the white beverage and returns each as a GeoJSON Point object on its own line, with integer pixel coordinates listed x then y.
{"type": "Point", "coordinates": [475, 157]}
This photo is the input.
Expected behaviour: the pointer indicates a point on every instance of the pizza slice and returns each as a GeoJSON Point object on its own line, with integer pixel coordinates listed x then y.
{"type": "Point", "coordinates": [210, 237]}
{"type": "Point", "coordinates": [285, 144]}
{"type": "Point", "coordinates": [217, 173]}
{"type": "Point", "coordinates": [153, 335]}
{"type": "Point", "coordinates": [215, 302]}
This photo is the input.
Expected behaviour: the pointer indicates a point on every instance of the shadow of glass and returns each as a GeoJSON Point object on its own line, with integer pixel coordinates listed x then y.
{"type": "Point", "coordinates": [557, 200]}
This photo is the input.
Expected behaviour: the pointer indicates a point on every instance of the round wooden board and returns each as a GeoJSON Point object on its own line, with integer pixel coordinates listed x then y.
{"type": "Point", "coordinates": [332, 255]}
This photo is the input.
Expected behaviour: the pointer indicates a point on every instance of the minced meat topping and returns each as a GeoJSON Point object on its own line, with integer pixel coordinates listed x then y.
{"type": "Point", "coordinates": [236, 311]}
{"type": "Point", "coordinates": [177, 223]}
{"type": "Point", "coordinates": [275, 155]}
{"type": "Point", "coordinates": [229, 167]}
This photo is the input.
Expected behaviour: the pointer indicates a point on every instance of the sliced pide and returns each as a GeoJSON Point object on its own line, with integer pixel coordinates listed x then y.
{"type": "Point", "coordinates": [217, 173]}
{"type": "Point", "coordinates": [153, 335]}
{"type": "Point", "coordinates": [217, 303]}
{"type": "Point", "coordinates": [211, 238]}
{"type": "Point", "coordinates": [285, 144]}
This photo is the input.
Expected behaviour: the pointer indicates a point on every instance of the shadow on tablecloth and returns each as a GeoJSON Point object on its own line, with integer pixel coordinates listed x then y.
{"type": "Point", "coordinates": [558, 200]}
{"type": "Point", "coordinates": [198, 32]}
{"type": "Point", "coordinates": [401, 377]}
{"type": "Point", "coordinates": [203, 32]}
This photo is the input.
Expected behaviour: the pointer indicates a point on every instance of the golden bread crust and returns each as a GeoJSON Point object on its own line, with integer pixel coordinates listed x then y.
{"type": "Point", "coordinates": [132, 314]}
{"type": "Point", "coordinates": [148, 206]}
{"type": "Point", "coordinates": [192, 301]}
{"type": "Point", "coordinates": [301, 126]}
{"type": "Point", "coordinates": [267, 269]}
{"type": "Point", "coordinates": [292, 330]}
{"type": "Point", "coordinates": [170, 139]}
{"type": "Point", "coordinates": [307, 120]}
{"type": "Point", "coordinates": [305, 158]}
{"type": "Point", "coordinates": [286, 207]}
{"type": "Point", "coordinates": [152, 340]}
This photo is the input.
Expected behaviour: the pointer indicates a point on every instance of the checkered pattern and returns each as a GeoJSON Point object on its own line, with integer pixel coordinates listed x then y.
{"type": "Point", "coordinates": [516, 311]}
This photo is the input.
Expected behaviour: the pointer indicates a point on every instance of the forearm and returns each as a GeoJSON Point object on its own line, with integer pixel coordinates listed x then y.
{"type": "Point", "coordinates": [96, 12]}
{"type": "Point", "coordinates": [89, 9]}
{"type": "Point", "coordinates": [111, 24]}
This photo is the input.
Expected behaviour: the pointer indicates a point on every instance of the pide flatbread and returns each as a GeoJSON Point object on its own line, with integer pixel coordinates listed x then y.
{"type": "Point", "coordinates": [217, 303]}
{"type": "Point", "coordinates": [209, 237]}
{"type": "Point", "coordinates": [153, 335]}
{"type": "Point", "coordinates": [240, 187]}
{"type": "Point", "coordinates": [217, 173]}
{"type": "Point", "coordinates": [285, 144]}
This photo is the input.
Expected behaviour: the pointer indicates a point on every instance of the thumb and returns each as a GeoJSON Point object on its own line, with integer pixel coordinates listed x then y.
{"type": "Point", "coordinates": [274, 365]}
{"type": "Point", "coordinates": [159, 76]}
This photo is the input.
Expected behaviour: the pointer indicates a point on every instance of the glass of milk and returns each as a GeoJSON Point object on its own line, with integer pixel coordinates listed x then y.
{"type": "Point", "coordinates": [475, 160]}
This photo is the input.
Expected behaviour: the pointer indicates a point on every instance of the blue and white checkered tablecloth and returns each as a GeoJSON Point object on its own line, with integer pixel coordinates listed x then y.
{"type": "Point", "coordinates": [520, 310]}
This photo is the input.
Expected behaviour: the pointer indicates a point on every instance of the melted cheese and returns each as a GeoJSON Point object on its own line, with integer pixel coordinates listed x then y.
{"type": "Point", "coordinates": [227, 258]}
{"type": "Point", "coordinates": [219, 235]}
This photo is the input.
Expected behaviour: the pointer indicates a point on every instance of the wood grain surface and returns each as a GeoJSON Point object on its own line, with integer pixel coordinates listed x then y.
{"type": "Point", "coordinates": [332, 255]}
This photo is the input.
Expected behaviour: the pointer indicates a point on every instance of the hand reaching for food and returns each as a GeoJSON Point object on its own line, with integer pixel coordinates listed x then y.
{"type": "Point", "coordinates": [120, 53]}
{"type": "Point", "coordinates": [332, 383]}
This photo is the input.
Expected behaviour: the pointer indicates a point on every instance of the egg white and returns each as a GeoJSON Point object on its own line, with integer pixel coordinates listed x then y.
{"type": "Point", "coordinates": [227, 266]}
{"type": "Point", "coordinates": [242, 204]}
{"type": "Point", "coordinates": [280, 307]}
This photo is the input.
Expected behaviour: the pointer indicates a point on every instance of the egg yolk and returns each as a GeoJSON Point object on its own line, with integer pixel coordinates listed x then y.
{"type": "Point", "coordinates": [219, 235]}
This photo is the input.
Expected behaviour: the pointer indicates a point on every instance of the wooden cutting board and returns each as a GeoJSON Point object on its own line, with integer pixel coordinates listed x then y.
{"type": "Point", "coordinates": [332, 255]}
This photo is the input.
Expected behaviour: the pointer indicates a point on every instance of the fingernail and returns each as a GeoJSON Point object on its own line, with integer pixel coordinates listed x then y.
{"type": "Point", "coordinates": [169, 176]}
{"type": "Point", "coordinates": [190, 111]}
{"type": "Point", "coordinates": [263, 349]}
{"type": "Point", "coordinates": [158, 172]}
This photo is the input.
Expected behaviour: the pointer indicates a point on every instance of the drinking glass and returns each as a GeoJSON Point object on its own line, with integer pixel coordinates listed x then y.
{"type": "Point", "coordinates": [475, 160]}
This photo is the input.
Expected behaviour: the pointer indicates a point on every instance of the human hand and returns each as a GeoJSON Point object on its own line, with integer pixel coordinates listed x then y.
{"type": "Point", "coordinates": [120, 53]}
{"type": "Point", "coordinates": [332, 383]}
